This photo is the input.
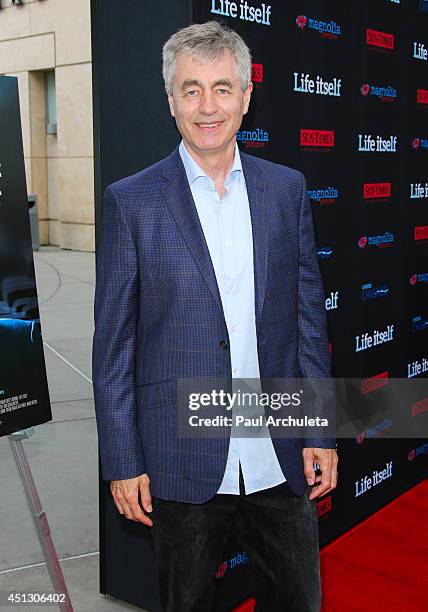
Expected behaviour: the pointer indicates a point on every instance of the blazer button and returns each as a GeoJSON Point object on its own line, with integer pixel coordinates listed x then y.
{"type": "Point", "coordinates": [224, 345]}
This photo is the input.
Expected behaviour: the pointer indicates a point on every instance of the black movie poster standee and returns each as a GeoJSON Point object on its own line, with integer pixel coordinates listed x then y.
{"type": "Point", "coordinates": [24, 396]}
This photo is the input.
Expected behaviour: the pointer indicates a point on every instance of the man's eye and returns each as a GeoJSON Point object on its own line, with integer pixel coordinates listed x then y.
{"type": "Point", "coordinates": [223, 91]}
{"type": "Point", "coordinates": [192, 93]}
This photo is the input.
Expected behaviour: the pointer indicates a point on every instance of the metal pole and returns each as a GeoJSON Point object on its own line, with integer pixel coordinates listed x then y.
{"type": "Point", "coordinates": [39, 516]}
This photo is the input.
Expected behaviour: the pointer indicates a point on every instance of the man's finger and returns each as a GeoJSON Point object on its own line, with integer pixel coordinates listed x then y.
{"type": "Point", "coordinates": [325, 484]}
{"type": "Point", "coordinates": [309, 470]}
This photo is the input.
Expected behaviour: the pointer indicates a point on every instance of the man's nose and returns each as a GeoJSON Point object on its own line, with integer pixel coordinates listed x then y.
{"type": "Point", "coordinates": [208, 103]}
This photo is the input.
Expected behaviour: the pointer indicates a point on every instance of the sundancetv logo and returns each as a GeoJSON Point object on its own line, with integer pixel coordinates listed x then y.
{"type": "Point", "coordinates": [378, 240]}
{"type": "Point", "coordinates": [384, 94]}
{"type": "Point", "coordinates": [324, 195]}
{"type": "Point", "coordinates": [381, 40]}
{"type": "Point", "coordinates": [317, 140]}
{"type": "Point", "coordinates": [256, 138]}
{"type": "Point", "coordinates": [327, 29]}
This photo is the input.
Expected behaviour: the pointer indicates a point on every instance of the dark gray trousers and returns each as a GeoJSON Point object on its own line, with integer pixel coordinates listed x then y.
{"type": "Point", "coordinates": [277, 529]}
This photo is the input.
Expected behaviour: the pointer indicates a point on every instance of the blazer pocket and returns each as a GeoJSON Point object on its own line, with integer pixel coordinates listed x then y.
{"type": "Point", "coordinates": [155, 394]}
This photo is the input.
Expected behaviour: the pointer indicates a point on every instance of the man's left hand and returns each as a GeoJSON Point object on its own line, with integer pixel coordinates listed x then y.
{"type": "Point", "coordinates": [327, 459]}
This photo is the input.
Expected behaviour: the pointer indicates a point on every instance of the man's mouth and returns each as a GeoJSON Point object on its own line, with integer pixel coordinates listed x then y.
{"type": "Point", "coordinates": [209, 126]}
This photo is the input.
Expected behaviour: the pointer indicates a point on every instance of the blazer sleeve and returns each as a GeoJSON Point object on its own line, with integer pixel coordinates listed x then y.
{"type": "Point", "coordinates": [313, 353]}
{"type": "Point", "coordinates": [114, 345]}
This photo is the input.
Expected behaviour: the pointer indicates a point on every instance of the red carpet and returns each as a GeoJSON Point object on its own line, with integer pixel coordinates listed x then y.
{"type": "Point", "coordinates": [381, 564]}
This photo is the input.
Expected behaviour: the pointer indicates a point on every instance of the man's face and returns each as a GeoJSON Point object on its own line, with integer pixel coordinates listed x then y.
{"type": "Point", "coordinates": [208, 102]}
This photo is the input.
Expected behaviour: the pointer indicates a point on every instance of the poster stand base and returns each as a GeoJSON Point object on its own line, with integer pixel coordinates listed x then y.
{"type": "Point", "coordinates": [39, 516]}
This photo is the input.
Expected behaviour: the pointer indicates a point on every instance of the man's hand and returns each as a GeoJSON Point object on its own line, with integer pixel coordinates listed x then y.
{"type": "Point", "coordinates": [125, 494]}
{"type": "Point", "coordinates": [327, 459]}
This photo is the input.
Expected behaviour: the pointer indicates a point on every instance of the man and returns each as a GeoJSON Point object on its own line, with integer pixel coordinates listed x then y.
{"type": "Point", "coordinates": [207, 268]}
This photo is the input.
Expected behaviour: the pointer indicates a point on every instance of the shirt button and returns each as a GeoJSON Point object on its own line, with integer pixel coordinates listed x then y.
{"type": "Point", "coordinates": [233, 327]}
{"type": "Point", "coordinates": [224, 345]}
{"type": "Point", "coordinates": [235, 370]}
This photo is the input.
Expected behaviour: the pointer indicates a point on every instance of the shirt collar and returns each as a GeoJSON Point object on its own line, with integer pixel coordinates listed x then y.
{"type": "Point", "coordinates": [194, 171]}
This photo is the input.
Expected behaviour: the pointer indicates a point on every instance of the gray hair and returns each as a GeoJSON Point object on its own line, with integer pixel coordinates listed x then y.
{"type": "Point", "coordinates": [206, 41]}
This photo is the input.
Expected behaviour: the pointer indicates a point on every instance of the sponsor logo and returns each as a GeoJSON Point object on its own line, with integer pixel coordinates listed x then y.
{"type": "Point", "coordinates": [420, 143]}
{"type": "Point", "coordinates": [316, 138]}
{"type": "Point", "coordinates": [420, 232]}
{"type": "Point", "coordinates": [418, 191]}
{"type": "Point", "coordinates": [420, 407]}
{"type": "Point", "coordinates": [367, 341]}
{"type": "Point", "coordinates": [420, 52]}
{"type": "Point", "coordinates": [369, 292]}
{"type": "Point", "coordinates": [419, 323]}
{"type": "Point", "coordinates": [419, 278]}
{"type": "Point", "coordinates": [377, 431]}
{"type": "Point", "coordinates": [325, 252]}
{"type": "Point", "coordinates": [326, 195]}
{"type": "Point", "coordinates": [239, 559]}
{"type": "Point", "coordinates": [377, 144]}
{"type": "Point", "coordinates": [416, 368]}
{"type": "Point", "coordinates": [422, 96]}
{"type": "Point", "coordinates": [394, 1]}
{"type": "Point", "coordinates": [332, 302]}
{"type": "Point", "coordinates": [383, 40]}
{"type": "Point", "coordinates": [257, 73]}
{"type": "Point", "coordinates": [423, 6]}
{"type": "Point", "coordinates": [376, 191]}
{"type": "Point", "coordinates": [364, 484]}
{"type": "Point", "coordinates": [324, 506]}
{"type": "Point", "coordinates": [416, 452]}
{"type": "Point", "coordinates": [327, 29]}
{"type": "Point", "coordinates": [242, 10]}
{"type": "Point", "coordinates": [303, 83]}
{"type": "Point", "coordinates": [368, 385]}
{"type": "Point", "coordinates": [253, 138]}
{"type": "Point", "coordinates": [385, 94]}
{"type": "Point", "coordinates": [380, 241]}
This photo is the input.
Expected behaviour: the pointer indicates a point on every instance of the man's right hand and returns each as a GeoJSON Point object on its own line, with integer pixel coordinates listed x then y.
{"type": "Point", "coordinates": [125, 494]}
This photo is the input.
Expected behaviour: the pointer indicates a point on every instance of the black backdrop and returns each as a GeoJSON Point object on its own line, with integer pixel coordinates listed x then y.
{"type": "Point", "coordinates": [364, 216]}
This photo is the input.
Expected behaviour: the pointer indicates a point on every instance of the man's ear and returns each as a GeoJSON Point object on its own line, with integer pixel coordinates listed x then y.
{"type": "Point", "coordinates": [171, 104]}
{"type": "Point", "coordinates": [247, 97]}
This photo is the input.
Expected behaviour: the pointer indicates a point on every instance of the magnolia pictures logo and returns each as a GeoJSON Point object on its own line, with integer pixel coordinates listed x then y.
{"type": "Point", "coordinates": [327, 29]}
{"type": "Point", "coordinates": [419, 143]}
{"type": "Point", "coordinates": [378, 240]}
{"type": "Point", "coordinates": [255, 138]}
{"type": "Point", "coordinates": [384, 94]}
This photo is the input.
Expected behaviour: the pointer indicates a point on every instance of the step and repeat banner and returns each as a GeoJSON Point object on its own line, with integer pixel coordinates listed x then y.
{"type": "Point", "coordinates": [24, 396]}
{"type": "Point", "coordinates": [341, 94]}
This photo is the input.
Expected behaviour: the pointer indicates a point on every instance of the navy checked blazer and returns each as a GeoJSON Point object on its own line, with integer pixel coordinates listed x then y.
{"type": "Point", "coordinates": [159, 317]}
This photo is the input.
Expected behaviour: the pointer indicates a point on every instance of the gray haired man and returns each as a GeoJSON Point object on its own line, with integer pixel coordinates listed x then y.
{"type": "Point", "coordinates": [208, 267]}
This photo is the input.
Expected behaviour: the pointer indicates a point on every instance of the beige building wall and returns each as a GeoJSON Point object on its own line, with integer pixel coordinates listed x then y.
{"type": "Point", "coordinates": [37, 37]}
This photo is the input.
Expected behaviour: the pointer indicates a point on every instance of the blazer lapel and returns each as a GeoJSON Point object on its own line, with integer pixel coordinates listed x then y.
{"type": "Point", "coordinates": [180, 201]}
{"type": "Point", "coordinates": [256, 189]}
